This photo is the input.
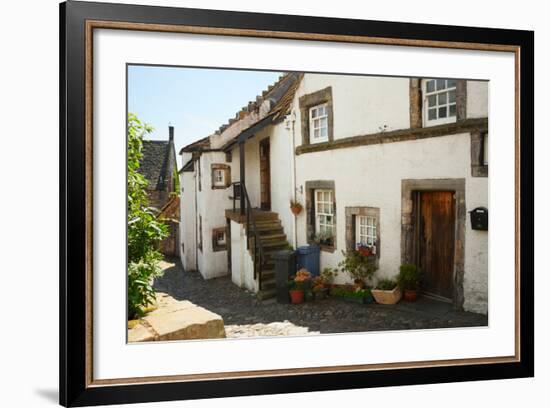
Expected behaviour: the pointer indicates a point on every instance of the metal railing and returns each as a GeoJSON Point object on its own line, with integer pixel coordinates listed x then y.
{"type": "Point", "coordinates": [258, 258]}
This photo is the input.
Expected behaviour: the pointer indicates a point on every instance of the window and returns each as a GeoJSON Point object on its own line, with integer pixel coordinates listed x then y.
{"type": "Point", "coordinates": [219, 239]}
{"type": "Point", "coordinates": [365, 231]}
{"type": "Point", "coordinates": [219, 179]}
{"type": "Point", "coordinates": [321, 213]}
{"type": "Point", "coordinates": [221, 176]}
{"type": "Point", "coordinates": [479, 156]}
{"type": "Point", "coordinates": [440, 100]}
{"type": "Point", "coordinates": [318, 124]}
{"type": "Point", "coordinates": [363, 228]}
{"type": "Point", "coordinates": [316, 117]}
{"type": "Point", "coordinates": [324, 216]}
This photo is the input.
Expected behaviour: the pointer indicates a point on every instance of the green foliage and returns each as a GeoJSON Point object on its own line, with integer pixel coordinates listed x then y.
{"type": "Point", "coordinates": [144, 229]}
{"type": "Point", "coordinates": [176, 183]}
{"type": "Point", "coordinates": [358, 266]}
{"type": "Point", "coordinates": [328, 275]}
{"type": "Point", "coordinates": [409, 277]}
{"type": "Point", "coordinates": [349, 291]}
{"type": "Point", "coordinates": [386, 284]}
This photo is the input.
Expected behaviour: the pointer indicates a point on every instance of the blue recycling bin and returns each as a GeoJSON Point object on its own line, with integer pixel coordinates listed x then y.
{"type": "Point", "coordinates": [308, 257]}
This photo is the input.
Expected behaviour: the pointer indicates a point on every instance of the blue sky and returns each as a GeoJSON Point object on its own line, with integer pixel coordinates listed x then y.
{"type": "Point", "coordinates": [196, 101]}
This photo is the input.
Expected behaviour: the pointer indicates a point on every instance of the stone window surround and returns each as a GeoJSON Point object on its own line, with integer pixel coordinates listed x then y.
{"type": "Point", "coordinates": [313, 99]}
{"type": "Point", "coordinates": [310, 187]}
{"type": "Point", "coordinates": [227, 175]}
{"type": "Point", "coordinates": [458, 186]}
{"type": "Point", "coordinates": [416, 101]}
{"type": "Point", "coordinates": [215, 246]}
{"type": "Point", "coordinates": [351, 216]}
{"type": "Point", "coordinates": [479, 169]}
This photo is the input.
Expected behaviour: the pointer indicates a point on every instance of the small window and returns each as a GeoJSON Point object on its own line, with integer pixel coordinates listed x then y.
{"type": "Point", "coordinates": [440, 100]}
{"type": "Point", "coordinates": [219, 178]}
{"type": "Point", "coordinates": [318, 124]}
{"type": "Point", "coordinates": [219, 239]}
{"type": "Point", "coordinates": [324, 216]}
{"type": "Point", "coordinates": [365, 231]}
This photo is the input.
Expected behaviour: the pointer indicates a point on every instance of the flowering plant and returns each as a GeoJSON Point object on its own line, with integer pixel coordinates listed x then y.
{"type": "Point", "coordinates": [301, 280]}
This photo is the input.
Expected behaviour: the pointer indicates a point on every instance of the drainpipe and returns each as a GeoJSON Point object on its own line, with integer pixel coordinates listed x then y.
{"type": "Point", "coordinates": [290, 127]}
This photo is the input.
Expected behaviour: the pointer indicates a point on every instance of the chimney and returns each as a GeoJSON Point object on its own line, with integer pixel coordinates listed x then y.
{"type": "Point", "coordinates": [171, 133]}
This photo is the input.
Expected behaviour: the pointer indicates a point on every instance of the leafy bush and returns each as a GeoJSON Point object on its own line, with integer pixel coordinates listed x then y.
{"type": "Point", "coordinates": [386, 284]}
{"type": "Point", "coordinates": [358, 266]}
{"type": "Point", "coordinates": [409, 277]}
{"type": "Point", "coordinates": [144, 229]}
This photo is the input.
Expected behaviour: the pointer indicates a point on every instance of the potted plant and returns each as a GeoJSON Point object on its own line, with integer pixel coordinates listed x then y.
{"type": "Point", "coordinates": [298, 284]}
{"type": "Point", "coordinates": [324, 238]}
{"type": "Point", "coordinates": [409, 279]}
{"type": "Point", "coordinates": [359, 267]}
{"type": "Point", "coordinates": [320, 289]}
{"type": "Point", "coordinates": [353, 294]}
{"type": "Point", "coordinates": [387, 292]}
{"type": "Point", "coordinates": [327, 276]}
{"type": "Point", "coordinates": [296, 207]}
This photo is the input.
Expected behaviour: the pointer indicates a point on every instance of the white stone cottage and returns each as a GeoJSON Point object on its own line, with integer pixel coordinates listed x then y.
{"type": "Point", "coordinates": [395, 163]}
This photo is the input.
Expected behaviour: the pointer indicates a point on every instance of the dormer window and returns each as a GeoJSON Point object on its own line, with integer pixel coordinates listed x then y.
{"type": "Point", "coordinates": [439, 101]}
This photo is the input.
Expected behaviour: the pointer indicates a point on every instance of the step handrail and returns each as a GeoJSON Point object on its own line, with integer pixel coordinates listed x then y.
{"type": "Point", "coordinates": [258, 258]}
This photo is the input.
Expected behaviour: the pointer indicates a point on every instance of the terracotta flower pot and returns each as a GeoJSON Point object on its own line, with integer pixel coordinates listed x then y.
{"type": "Point", "coordinates": [296, 296]}
{"type": "Point", "coordinates": [410, 295]}
{"type": "Point", "coordinates": [296, 210]}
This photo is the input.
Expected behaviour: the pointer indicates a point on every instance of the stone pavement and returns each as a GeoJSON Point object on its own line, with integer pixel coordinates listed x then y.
{"type": "Point", "coordinates": [245, 316]}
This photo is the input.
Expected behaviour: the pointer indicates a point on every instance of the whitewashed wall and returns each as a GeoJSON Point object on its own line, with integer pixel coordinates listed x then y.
{"type": "Point", "coordinates": [242, 269]}
{"type": "Point", "coordinates": [477, 99]}
{"type": "Point", "coordinates": [361, 105]}
{"type": "Point", "coordinates": [211, 206]}
{"type": "Point", "coordinates": [371, 176]}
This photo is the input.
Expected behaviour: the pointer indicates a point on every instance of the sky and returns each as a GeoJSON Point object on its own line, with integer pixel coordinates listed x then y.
{"type": "Point", "coordinates": [196, 101]}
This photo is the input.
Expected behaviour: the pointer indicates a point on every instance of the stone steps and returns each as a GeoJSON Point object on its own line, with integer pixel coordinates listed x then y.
{"type": "Point", "coordinates": [273, 238]}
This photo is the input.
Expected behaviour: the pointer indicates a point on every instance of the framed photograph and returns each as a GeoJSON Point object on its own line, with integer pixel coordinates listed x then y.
{"type": "Point", "coordinates": [258, 204]}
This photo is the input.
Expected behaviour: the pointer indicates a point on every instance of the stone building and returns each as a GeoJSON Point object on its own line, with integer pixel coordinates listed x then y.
{"type": "Point", "coordinates": [159, 166]}
{"type": "Point", "coordinates": [397, 164]}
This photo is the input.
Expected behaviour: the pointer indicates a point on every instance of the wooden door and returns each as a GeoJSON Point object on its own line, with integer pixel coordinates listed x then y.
{"type": "Point", "coordinates": [436, 242]}
{"type": "Point", "coordinates": [265, 176]}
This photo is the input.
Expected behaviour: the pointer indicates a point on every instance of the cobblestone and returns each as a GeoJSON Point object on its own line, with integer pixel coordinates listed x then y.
{"type": "Point", "coordinates": [245, 316]}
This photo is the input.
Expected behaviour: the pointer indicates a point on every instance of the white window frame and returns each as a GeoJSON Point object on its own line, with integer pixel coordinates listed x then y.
{"type": "Point", "coordinates": [442, 99]}
{"type": "Point", "coordinates": [365, 232]}
{"type": "Point", "coordinates": [218, 182]}
{"type": "Point", "coordinates": [313, 127]}
{"type": "Point", "coordinates": [327, 211]}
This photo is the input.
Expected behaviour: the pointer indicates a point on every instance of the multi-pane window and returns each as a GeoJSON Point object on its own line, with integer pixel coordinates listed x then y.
{"type": "Point", "coordinates": [324, 213]}
{"type": "Point", "coordinates": [219, 177]}
{"type": "Point", "coordinates": [318, 124]}
{"type": "Point", "coordinates": [440, 100]}
{"type": "Point", "coordinates": [365, 231]}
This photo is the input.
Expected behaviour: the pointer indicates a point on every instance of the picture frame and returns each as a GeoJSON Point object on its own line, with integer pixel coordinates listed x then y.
{"type": "Point", "coordinates": [78, 20]}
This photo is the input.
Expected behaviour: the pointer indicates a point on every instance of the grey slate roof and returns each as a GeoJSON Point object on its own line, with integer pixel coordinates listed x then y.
{"type": "Point", "coordinates": [155, 164]}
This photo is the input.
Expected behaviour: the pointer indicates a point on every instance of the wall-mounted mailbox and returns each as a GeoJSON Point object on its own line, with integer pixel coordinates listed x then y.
{"type": "Point", "coordinates": [480, 218]}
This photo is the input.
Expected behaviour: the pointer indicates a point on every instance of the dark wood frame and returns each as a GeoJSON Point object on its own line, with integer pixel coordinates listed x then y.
{"type": "Point", "coordinates": [77, 22]}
